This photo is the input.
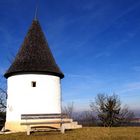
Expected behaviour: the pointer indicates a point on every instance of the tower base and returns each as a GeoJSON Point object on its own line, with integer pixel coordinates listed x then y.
{"type": "Point", "coordinates": [14, 126]}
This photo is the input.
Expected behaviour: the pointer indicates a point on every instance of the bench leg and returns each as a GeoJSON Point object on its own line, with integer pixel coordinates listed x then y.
{"type": "Point", "coordinates": [28, 130]}
{"type": "Point", "coordinates": [62, 129]}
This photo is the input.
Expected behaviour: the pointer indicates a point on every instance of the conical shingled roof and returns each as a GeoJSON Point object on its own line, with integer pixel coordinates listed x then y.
{"type": "Point", "coordinates": [34, 55]}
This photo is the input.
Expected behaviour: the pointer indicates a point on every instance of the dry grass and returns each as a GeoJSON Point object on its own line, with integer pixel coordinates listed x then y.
{"type": "Point", "coordinates": [93, 133]}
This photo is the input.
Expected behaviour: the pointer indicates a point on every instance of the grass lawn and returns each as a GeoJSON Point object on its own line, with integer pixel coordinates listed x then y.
{"type": "Point", "coordinates": [86, 133]}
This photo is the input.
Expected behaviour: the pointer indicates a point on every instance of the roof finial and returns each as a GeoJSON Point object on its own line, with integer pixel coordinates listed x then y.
{"type": "Point", "coordinates": [36, 10]}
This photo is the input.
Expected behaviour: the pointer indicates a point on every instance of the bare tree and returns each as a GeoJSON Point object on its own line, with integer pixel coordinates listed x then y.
{"type": "Point", "coordinates": [68, 110]}
{"type": "Point", "coordinates": [3, 96]}
{"type": "Point", "coordinates": [109, 110]}
{"type": "Point", "coordinates": [126, 116]}
{"type": "Point", "coordinates": [3, 93]}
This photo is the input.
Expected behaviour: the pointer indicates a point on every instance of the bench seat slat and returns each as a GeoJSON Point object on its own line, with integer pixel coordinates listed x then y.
{"type": "Point", "coordinates": [40, 117]}
{"type": "Point", "coordinates": [37, 123]}
{"type": "Point", "coordinates": [42, 114]}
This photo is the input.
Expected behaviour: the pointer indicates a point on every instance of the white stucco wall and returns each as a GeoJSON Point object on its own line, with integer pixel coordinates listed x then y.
{"type": "Point", "coordinates": [25, 99]}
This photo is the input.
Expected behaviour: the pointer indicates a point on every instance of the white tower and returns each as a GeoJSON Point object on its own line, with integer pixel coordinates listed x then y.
{"type": "Point", "coordinates": [33, 80]}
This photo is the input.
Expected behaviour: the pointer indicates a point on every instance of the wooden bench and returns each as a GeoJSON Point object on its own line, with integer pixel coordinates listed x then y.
{"type": "Point", "coordinates": [44, 121]}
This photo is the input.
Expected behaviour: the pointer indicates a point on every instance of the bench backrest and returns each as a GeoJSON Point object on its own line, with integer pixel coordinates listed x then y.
{"type": "Point", "coordinates": [42, 116]}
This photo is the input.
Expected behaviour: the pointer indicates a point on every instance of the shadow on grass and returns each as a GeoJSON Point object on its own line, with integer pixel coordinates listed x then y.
{"type": "Point", "coordinates": [48, 133]}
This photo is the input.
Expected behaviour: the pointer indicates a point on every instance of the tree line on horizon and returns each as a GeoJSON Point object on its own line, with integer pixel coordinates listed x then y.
{"type": "Point", "coordinates": [105, 111]}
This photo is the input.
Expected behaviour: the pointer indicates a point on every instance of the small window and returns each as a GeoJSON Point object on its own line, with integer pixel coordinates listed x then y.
{"type": "Point", "coordinates": [33, 83]}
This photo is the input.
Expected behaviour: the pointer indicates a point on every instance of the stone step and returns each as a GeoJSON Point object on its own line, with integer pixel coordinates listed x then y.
{"type": "Point", "coordinates": [70, 120]}
{"type": "Point", "coordinates": [72, 125]}
{"type": "Point", "coordinates": [75, 123]}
